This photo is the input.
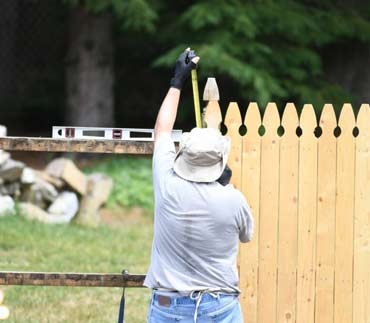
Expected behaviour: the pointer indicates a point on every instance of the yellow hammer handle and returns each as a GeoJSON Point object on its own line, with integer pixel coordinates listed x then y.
{"type": "Point", "coordinates": [194, 81]}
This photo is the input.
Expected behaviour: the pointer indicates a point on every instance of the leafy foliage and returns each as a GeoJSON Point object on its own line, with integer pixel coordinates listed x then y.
{"type": "Point", "coordinates": [270, 49]}
{"type": "Point", "coordinates": [133, 14]}
{"type": "Point", "coordinates": [132, 179]}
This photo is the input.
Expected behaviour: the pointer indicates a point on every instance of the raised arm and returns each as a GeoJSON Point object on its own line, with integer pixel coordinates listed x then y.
{"type": "Point", "coordinates": [167, 113]}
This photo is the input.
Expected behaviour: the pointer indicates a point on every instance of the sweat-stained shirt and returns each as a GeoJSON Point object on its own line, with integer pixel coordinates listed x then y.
{"type": "Point", "coordinates": [197, 227]}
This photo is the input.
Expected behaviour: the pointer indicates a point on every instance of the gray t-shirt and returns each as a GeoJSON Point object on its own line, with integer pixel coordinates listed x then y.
{"type": "Point", "coordinates": [197, 227]}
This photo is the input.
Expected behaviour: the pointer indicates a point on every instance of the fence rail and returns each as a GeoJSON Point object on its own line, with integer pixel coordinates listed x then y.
{"type": "Point", "coordinates": [70, 279]}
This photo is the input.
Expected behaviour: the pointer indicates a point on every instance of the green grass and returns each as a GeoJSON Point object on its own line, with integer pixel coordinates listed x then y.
{"type": "Point", "coordinates": [33, 246]}
{"type": "Point", "coordinates": [132, 178]}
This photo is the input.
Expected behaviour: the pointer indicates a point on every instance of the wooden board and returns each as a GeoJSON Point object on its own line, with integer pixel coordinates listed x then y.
{"type": "Point", "coordinates": [248, 260]}
{"type": "Point", "coordinates": [212, 115]}
{"type": "Point", "coordinates": [361, 288]}
{"type": "Point", "coordinates": [70, 279]}
{"type": "Point", "coordinates": [288, 211]}
{"type": "Point", "coordinates": [233, 121]}
{"type": "Point", "coordinates": [324, 309]}
{"type": "Point", "coordinates": [306, 264]}
{"type": "Point", "coordinates": [80, 146]}
{"type": "Point", "coordinates": [269, 205]}
{"type": "Point", "coordinates": [344, 217]}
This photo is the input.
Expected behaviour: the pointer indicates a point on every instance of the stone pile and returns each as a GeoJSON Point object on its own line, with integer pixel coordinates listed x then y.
{"type": "Point", "coordinates": [56, 194]}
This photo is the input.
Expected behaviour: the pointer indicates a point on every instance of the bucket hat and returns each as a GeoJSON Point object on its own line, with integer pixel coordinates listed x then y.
{"type": "Point", "coordinates": [202, 155]}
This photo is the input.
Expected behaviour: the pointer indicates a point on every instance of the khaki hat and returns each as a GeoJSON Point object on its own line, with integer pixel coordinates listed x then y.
{"type": "Point", "coordinates": [202, 155]}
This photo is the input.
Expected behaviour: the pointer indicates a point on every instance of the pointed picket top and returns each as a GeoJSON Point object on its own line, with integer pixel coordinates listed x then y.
{"type": "Point", "coordinates": [328, 121]}
{"type": "Point", "coordinates": [211, 92]}
{"type": "Point", "coordinates": [213, 116]}
{"type": "Point", "coordinates": [347, 120]}
{"type": "Point", "coordinates": [363, 120]}
{"type": "Point", "coordinates": [271, 120]}
{"type": "Point", "coordinates": [290, 120]}
{"type": "Point", "coordinates": [252, 118]}
{"type": "Point", "coordinates": [308, 121]}
{"type": "Point", "coordinates": [233, 119]}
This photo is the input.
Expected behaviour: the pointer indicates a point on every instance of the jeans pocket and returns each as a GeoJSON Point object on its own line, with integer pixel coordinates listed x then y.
{"type": "Point", "coordinates": [159, 314]}
{"type": "Point", "coordinates": [230, 313]}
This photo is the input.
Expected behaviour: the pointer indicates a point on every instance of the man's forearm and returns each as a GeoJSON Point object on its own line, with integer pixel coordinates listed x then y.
{"type": "Point", "coordinates": [167, 113]}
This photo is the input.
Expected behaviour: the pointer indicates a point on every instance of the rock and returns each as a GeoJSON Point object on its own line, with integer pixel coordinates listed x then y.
{"type": "Point", "coordinates": [11, 170]}
{"type": "Point", "coordinates": [2, 131]}
{"type": "Point", "coordinates": [33, 194]}
{"type": "Point", "coordinates": [99, 188]}
{"type": "Point", "coordinates": [33, 212]}
{"type": "Point", "coordinates": [4, 156]}
{"type": "Point", "coordinates": [56, 182]}
{"type": "Point", "coordinates": [7, 205]}
{"type": "Point", "coordinates": [65, 169]}
{"type": "Point", "coordinates": [28, 176]}
{"type": "Point", "coordinates": [39, 193]}
{"type": "Point", "coordinates": [13, 189]}
{"type": "Point", "coordinates": [64, 207]}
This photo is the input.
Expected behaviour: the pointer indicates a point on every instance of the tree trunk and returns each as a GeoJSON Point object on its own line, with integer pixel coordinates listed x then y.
{"type": "Point", "coordinates": [90, 99]}
{"type": "Point", "coordinates": [8, 27]}
{"type": "Point", "coordinates": [346, 65]}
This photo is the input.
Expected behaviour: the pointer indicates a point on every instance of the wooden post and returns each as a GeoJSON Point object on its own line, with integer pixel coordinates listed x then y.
{"type": "Point", "coordinates": [212, 117]}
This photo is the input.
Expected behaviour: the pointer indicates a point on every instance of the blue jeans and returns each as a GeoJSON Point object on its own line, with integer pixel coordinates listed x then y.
{"type": "Point", "coordinates": [222, 309]}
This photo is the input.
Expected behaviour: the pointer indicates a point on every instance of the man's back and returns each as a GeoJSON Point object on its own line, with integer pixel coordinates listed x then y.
{"type": "Point", "coordinates": [196, 232]}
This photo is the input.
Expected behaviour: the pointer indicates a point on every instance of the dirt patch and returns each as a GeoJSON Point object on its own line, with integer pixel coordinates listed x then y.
{"type": "Point", "coordinates": [122, 216]}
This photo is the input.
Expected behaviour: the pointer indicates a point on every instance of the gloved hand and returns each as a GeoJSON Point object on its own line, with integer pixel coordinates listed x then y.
{"type": "Point", "coordinates": [184, 64]}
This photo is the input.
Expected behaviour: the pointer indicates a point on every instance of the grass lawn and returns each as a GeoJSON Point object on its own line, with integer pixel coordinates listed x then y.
{"type": "Point", "coordinates": [123, 241]}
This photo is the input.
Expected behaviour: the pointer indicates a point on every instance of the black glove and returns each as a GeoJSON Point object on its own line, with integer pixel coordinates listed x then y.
{"type": "Point", "coordinates": [183, 68]}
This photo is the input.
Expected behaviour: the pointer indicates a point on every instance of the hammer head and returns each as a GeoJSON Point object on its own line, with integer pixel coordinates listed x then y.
{"type": "Point", "coordinates": [211, 90]}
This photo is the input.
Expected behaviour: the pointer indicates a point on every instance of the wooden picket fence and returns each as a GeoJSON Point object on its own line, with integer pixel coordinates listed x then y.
{"type": "Point", "coordinates": [309, 261]}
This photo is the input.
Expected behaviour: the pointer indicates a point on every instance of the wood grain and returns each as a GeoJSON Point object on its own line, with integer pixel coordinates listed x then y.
{"type": "Point", "coordinates": [269, 207]}
{"type": "Point", "coordinates": [324, 309]}
{"type": "Point", "coordinates": [344, 217]}
{"type": "Point", "coordinates": [251, 168]}
{"type": "Point", "coordinates": [307, 209]}
{"type": "Point", "coordinates": [79, 146]}
{"type": "Point", "coordinates": [361, 288]}
{"type": "Point", "coordinates": [288, 211]}
{"type": "Point", "coordinates": [70, 279]}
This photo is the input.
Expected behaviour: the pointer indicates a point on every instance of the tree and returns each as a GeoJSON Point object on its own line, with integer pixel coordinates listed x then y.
{"type": "Point", "coordinates": [269, 50]}
{"type": "Point", "coordinates": [90, 67]}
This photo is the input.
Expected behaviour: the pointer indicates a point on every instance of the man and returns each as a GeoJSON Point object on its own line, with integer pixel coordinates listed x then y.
{"type": "Point", "coordinates": [198, 222]}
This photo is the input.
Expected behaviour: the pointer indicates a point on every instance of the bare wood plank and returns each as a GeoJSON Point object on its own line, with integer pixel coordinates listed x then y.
{"type": "Point", "coordinates": [361, 288]}
{"type": "Point", "coordinates": [307, 209]}
{"type": "Point", "coordinates": [81, 146]}
{"type": "Point", "coordinates": [251, 168]}
{"type": "Point", "coordinates": [344, 217]}
{"type": "Point", "coordinates": [324, 309]}
{"type": "Point", "coordinates": [288, 212]}
{"type": "Point", "coordinates": [212, 115]}
{"type": "Point", "coordinates": [233, 121]}
{"type": "Point", "coordinates": [70, 279]}
{"type": "Point", "coordinates": [269, 205]}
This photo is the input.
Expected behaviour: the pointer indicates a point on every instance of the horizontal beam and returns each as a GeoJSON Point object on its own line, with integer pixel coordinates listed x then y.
{"type": "Point", "coordinates": [70, 279]}
{"type": "Point", "coordinates": [78, 146]}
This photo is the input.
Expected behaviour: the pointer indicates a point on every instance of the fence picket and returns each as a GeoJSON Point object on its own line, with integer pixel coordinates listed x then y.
{"type": "Point", "coordinates": [269, 204]}
{"type": "Point", "coordinates": [288, 209]}
{"type": "Point", "coordinates": [251, 163]}
{"type": "Point", "coordinates": [233, 121]}
{"type": "Point", "coordinates": [344, 217]}
{"type": "Point", "coordinates": [324, 309]}
{"type": "Point", "coordinates": [307, 217]}
{"type": "Point", "coordinates": [361, 288]}
{"type": "Point", "coordinates": [212, 115]}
